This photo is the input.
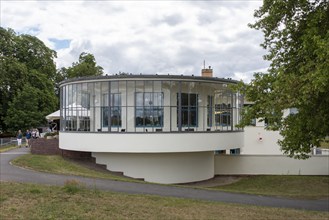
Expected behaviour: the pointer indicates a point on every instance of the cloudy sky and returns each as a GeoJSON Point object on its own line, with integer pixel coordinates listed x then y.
{"type": "Point", "coordinates": [149, 37]}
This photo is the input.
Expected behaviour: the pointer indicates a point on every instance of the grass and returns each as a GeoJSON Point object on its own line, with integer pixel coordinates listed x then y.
{"type": "Point", "coordinates": [30, 201]}
{"type": "Point", "coordinates": [301, 187]}
{"type": "Point", "coordinates": [59, 165]}
{"type": "Point", "coordinates": [73, 186]}
{"type": "Point", "coordinates": [7, 148]}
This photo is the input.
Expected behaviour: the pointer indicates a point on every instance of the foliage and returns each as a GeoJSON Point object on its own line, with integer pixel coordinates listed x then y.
{"type": "Point", "coordinates": [61, 75]}
{"type": "Point", "coordinates": [325, 143]}
{"type": "Point", "coordinates": [86, 66]}
{"type": "Point", "coordinates": [29, 81]}
{"type": "Point", "coordinates": [50, 134]}
{"type": "Point", "coordinates": [35, 55]}
{"type": "Point", "coordinates": [26, 81]}
{"type": "Point", "coordinates": [297, 39]}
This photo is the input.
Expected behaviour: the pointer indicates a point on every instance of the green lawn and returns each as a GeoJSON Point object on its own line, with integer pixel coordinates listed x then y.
{"type": "Point", "coordinates": [7, 148]}
{"type": "Point", "coordinates": [59, 165]}
{"type": "Point", "coordinates": [302, 187]}
{"type": "Point", "coordinates": [73, 201]}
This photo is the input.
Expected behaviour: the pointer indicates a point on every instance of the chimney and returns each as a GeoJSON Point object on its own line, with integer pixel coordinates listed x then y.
{"type": "Point", "coordinates": [206, 72]}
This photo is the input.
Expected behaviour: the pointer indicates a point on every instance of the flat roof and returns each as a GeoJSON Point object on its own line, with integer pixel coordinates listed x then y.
{"type": "Point", "coordinates": [141, 77]}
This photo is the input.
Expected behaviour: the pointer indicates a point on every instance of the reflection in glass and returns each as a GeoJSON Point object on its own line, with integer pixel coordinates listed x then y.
{"type": "Point", "coordinates": [113, 110]}
{"type": "Point", "coordinates": [137, 104]}
{"type": "Point", "coordinates": [149, 109]}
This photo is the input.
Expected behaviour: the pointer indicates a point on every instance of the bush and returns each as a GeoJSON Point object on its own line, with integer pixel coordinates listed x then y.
{"type": "Point", "coordinates": [52, 134]}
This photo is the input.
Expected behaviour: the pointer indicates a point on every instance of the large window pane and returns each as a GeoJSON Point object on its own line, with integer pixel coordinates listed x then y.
{"type": "Point", "coordinates": [112, 111]}
{"type": "Point", "coordinates": [149, 109]}
{"type": "Point", "coordinates": [189, 109]}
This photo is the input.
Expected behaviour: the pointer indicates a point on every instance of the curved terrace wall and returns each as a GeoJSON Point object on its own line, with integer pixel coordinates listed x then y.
{"type": "Point", "coordinates": [151, 142]}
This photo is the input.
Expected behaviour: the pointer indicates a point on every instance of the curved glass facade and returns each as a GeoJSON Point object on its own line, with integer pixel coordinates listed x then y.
{"type": "Point", "coordinates": [149, 104]}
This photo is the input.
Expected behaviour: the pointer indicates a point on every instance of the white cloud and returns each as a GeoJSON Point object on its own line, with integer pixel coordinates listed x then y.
{"type": "Point", "coordinates": [146, 36]}
{"type": "Point", "coordinates": [247, 76]}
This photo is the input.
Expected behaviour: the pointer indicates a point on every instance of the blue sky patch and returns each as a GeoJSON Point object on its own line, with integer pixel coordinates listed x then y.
{"type": "Point", "coordinates": [60, 44]}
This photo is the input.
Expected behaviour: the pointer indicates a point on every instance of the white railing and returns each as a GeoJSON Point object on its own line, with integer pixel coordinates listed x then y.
{"type": "Point", "coordinates": [6, 141]}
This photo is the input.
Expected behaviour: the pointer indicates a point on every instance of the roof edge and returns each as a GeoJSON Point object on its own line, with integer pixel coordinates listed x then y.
{"type": "Point", "coordinates": [160, 77]}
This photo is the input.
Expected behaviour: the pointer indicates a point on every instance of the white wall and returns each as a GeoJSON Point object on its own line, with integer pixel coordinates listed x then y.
{"type": "Point", "coordinates": [150, 142]}
{"type": "Point", "coordinates": [270, 165]}
{"type": "Point", "coordinates": [257, 140]}
{"type": "Point", "coordinates": [163, 168]}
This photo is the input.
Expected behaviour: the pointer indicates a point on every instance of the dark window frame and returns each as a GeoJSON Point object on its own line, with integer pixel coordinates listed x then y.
{"type": "Point", "coordinates": [113, 106]}
{"type": "Point", "coordinates": [145, 112]}
{"type": "Point", "coordinates": [187, 111]}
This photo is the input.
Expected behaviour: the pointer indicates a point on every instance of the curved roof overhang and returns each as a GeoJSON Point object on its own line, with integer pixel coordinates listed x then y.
{"type": "Point", "coordinates": [148, 77]}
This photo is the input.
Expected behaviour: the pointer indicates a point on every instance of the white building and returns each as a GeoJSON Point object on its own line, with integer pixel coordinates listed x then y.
{"type": "Point", "coordinates": [171, 129]}
{"type": "Point", "coordinates": [163, 129]}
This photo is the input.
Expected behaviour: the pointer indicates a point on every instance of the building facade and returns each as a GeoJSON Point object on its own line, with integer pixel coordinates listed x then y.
{"type": "Point", "coordinates": [163, 129]}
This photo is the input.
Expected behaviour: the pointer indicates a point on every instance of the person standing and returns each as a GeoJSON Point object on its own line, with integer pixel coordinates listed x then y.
{"type": "Point", "coordinates": [28, 137]}
{"type": "Point", "coordinates": [37, 134]}
{"type": "Point", "coordinates": [34, 135]}
{"type": "Point", "coordinates": [19, 138]}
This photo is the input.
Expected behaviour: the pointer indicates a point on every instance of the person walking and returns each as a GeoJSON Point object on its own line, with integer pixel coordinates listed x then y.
{"type": "Point", "coordinates": [19, 138]}
{"type": "Point", "coordinates": [28, 137]}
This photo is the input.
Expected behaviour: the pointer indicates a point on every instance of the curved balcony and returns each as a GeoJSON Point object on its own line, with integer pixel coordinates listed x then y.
{"type": "Point", "coordinates": [150, 142]}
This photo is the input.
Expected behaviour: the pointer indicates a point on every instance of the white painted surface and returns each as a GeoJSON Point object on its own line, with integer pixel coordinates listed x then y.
{"type": "Point", "coordinates": [260, 123]}
{"type": "Point", "coordinates": [324, 151]}
{"type": "Point", "coordinates": [150, 142]}
{"type": "Point", "coordinates": [257, 140]}
{"type": "Point", "coordinates": [166, 168]}
{"type": "Point", "coordinates": [270, 165]}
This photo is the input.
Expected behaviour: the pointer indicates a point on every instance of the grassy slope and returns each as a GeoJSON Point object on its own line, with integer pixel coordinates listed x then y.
{"type": "Point", "coordinates": [7, 148]}
{"type": "Point", "coordinates": [29, 201]}
{"type": "Point", "coordinates": [303, 187]}
{"type": "Point", "coordinates": [56, 164]}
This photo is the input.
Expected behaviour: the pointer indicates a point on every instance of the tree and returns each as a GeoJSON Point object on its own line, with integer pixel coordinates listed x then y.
{"type": "Point", "coordinates": [85, 67]}
{"type": "Point", "coordinates": [27, 73]}
{"type": "Point", "coordinates": [35, 55]}
{"type": "Point", "coordinates": [29, 108]}
{"type": "Point", "coordinates": [61, 75]}
{"type": "Point", "coordinates": [296, 36]}
{"type": "Point", "coordinates": [12, 78]}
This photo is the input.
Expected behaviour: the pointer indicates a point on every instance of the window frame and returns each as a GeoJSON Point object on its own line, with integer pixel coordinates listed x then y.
{"type": "Point", "coordinates": [142, 108]}
{"type": "Point", "coordinates": [109, 108]}
{"type": "Point", "coordinates": [187, 109]}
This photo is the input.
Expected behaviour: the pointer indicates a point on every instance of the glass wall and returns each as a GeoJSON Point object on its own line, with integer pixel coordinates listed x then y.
{"type": "Point", "coordinates": [149, 109]}
{"type": "Point", "coordinates": [139, 105]}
